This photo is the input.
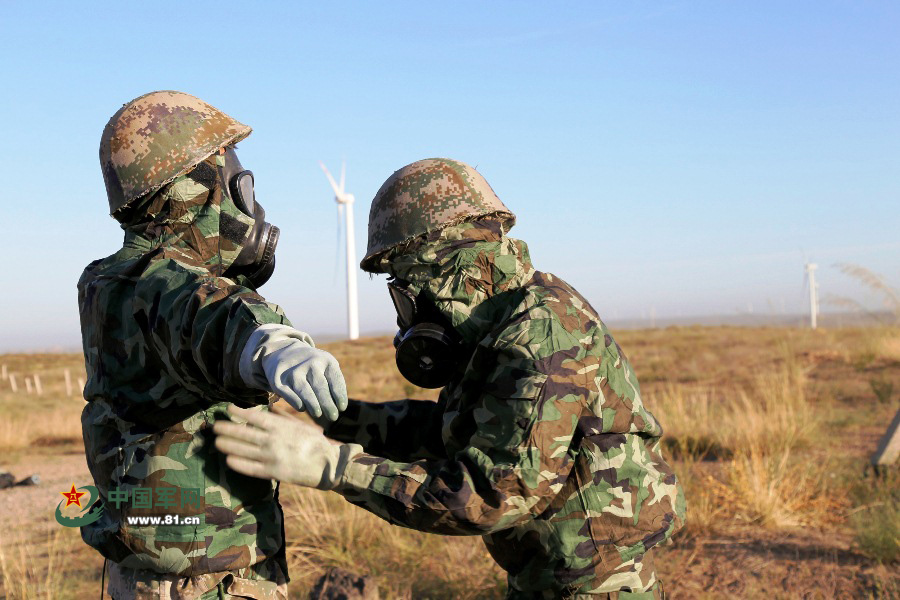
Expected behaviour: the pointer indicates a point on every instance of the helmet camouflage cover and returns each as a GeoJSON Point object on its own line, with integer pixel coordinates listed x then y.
{"type": "Point", "coordinates": [157, 137]}
{"type": "Point", "coordinates": [425, 196]}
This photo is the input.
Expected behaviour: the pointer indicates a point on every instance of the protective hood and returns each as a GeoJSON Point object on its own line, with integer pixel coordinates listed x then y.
{"type": "Point", "coordinates": [471, 271]}
{"type": "Point", "coordinates": [193, 217]}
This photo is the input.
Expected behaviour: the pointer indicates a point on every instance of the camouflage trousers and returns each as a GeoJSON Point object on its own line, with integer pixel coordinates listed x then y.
{"type": "Point", "coordinates": [219, 593]}
{"type": "Point", "coordinates": [632, 580]}
{"type": "Point", "coordinates": [263, 581]}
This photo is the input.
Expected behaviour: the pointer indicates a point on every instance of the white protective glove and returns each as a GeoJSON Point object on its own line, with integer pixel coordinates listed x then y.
{"type": "Point", "coordinates": [284, 361]}
{"type": "Point", "coordinates": [271, 446]}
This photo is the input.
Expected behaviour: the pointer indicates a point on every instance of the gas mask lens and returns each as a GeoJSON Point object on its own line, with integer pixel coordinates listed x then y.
{"type": "Point", "coordinates": [240, 183]}
{"type": "Point", "coordinates": [257, 257]}
{"type": "Point", "coordinates": [242, 192]}
{"type": "Point", "coordinates": [404, 303]}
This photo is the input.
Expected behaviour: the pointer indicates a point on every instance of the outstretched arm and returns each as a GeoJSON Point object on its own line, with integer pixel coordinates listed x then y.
{"type": "Point", "coordinates": [402, 430]}
{"type": "Point", "coordinates": [213, 332]}
{"type": "Point", "coordinates": [197, 325]}
{"type": "Point", "coordinates": [512, 465]}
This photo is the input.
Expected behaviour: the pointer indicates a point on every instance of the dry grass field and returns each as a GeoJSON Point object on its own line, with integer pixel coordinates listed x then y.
{"type": "Point", "coordinates": [770, 429]}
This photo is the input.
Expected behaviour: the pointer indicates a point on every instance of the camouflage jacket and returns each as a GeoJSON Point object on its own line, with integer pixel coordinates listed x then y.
{"type": "Point", "coordinates": [541, 443]}
{"type": "Point", "coordinates": [162, 332]}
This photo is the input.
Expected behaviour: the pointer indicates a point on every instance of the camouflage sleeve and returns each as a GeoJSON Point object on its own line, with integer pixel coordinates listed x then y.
{"type": "Point", "coordinates": [197, 324]}
{"type": "Point", "coordinates": [399, 430]}
{"type": "Point", "coordinates": [510, 466]}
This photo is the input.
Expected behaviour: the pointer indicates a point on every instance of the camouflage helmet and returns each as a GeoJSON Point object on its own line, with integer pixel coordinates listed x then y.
{"type": "Point", "coordinates": [426, 196]}
{"type": "Point", "coordinates": [157, 137]}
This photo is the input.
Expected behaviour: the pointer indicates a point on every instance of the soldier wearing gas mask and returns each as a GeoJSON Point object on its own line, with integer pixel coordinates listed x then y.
{"type": "Point", "coordinates": [539, 442]}
{"type": "Point", "coordinates": [174, 330]}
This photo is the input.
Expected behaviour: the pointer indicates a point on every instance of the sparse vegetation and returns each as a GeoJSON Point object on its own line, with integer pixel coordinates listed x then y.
{"type": "Point", "coordinates": [876, 284]}
{"type": "Point", "coordinates": [883, 389]}
{"type": "Point", "coordinates": [876, 519]}
{"type": "Point", "coordinates": [36, 570]}
{"type": "Point", "coordinates": [769, 429]}
{"type": "Point", "coordinates": [325, 531]}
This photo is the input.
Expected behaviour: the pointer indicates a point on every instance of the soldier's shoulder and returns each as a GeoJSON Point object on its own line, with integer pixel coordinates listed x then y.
{"type": "Point", "coordinates": [552, 317]}
{"type": "Point", "coordinates": [547, 296]}
{"type": "Point", "coordinates": [554, 289]}
{"type": "Point", "coordinates": [533, 332]}
{"type": "Point", "coordinates": [92, 267]}
{"type": "Point", "coordinates": [121, 264]}
{"type": "Point", "coordinates": [97, 267]}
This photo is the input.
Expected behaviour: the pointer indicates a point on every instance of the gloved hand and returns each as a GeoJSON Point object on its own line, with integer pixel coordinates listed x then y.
{"type": "Point", "coordinates": [284, 361]}
{"type": "Point", "coordinates": [271, 446]}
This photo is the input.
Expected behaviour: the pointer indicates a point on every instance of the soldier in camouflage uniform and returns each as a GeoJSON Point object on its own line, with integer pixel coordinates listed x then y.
{"type": "Point", "coordinates": [539, 441]}
{"type": "Point", "coordinates": [173, 332]}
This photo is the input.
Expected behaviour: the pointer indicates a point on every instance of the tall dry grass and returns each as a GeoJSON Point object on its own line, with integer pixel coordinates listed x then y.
{"type": "Point", "coordinates": [889, 345]}
{"type": "Point", "coordinates": [323, 531]}
{"type": "Point", "coordinates": [875, 283]}
{"type": "Point", "coordinates": [771, 413]}
{"type": "Point", "coordinates": [52, 427]}
{"type": "Point", "coordinates": [774, 489]}
{"type": "Point", "coordinates": [50, 418]}
{"type": "Point", "coordinates": [877, 519]}
{"type": "Point", "coordinates": [756, 432]}
{"type": "Point", "coordinates": [750, 430]}
{"type": "Point", "coordinates": [48, 563]}
{"type": "Point", "coordinates": [31, 571]}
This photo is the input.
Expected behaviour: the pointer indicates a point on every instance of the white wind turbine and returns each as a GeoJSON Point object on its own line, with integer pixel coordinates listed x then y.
{"type": "Point", "coordinates": [810, 269]}
{"type": "Point", "coordinates": [344, 199]}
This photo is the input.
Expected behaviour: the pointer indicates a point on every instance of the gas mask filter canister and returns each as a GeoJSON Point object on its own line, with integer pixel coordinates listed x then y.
{"type": "Point", "coordinates": [427, 352]}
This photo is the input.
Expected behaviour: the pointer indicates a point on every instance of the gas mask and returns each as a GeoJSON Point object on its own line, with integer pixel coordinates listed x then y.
{"type": "Point", "coordinates": [256, 260]}
{"type": "Point", "coordinates": [428, 352]}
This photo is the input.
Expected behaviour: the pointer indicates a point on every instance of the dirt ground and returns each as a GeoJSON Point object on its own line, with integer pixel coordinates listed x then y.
{"type": "Point", "coordinates": [733, 557]}
{"type": "Point", "coordinates": [748, 563]}
{"type": "Point", "coordinates": [26, 508]}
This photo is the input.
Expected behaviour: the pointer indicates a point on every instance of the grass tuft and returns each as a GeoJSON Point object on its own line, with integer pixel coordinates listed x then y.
{"type": "Point", "coordinates": [767, 488]}
{"type": "Point", "coordinates": [324, 531]}
{"type": "Point", "coordinates": [33, 571]}
{"type": "Point", "coordinates": [876, 518]}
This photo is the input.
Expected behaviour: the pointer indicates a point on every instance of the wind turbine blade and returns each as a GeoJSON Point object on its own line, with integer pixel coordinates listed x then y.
{"type": "Point", "coordinates": [343, 167]}
{"type": "Point", "coordinates": [334, 186]}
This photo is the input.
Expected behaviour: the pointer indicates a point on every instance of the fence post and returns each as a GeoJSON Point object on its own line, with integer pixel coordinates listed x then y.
{"type": "Point", "coordinates": [889, 446]}
{"type": "Point", "coordinates": [39, 390]}
{"type": "Point", "coordinates": [28, 385]}
{"type": "Point", "coordinates": [12, 383]}
{"type": "Point", "coordinates": [3, 373]}
{"type": "Point", "coordinates": [68, 384]}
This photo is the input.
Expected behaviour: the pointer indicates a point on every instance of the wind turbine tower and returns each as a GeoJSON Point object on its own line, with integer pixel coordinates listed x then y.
{"type": "Point", "coordinates": [345, 200]}
{"type": "Point", "coordinates": [813, 294]}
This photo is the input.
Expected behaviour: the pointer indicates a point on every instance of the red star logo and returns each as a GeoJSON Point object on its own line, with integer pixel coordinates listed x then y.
{"type": "Point", "coordinates": [73, 497]}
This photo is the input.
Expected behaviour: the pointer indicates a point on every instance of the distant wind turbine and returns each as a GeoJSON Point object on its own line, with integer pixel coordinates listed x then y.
{"type": "Point", "coordinates": [810, 269]}
{"type": "Point", "coordinates": [343, 199]}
